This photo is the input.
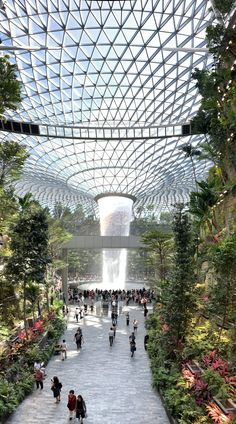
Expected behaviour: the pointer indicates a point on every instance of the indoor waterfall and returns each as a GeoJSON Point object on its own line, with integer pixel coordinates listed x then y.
{"type": "Point", "coordinates": [115, 216]}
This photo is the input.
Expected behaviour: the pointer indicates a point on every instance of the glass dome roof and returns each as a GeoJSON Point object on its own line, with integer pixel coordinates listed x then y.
{"type": "Point", "coordinates": [118, 70]}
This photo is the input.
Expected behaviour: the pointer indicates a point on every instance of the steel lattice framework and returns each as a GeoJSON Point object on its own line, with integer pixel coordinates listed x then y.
{"type": "Point", "coordinates": [107, 67]}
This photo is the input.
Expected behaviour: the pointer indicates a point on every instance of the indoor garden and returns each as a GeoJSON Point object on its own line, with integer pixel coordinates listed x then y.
{"type": "Point", "coordinates": [192, 345]}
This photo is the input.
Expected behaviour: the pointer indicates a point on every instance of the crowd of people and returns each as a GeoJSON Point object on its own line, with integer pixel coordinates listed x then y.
{"type": "Point", "coordinates": [85, 297]}
{"type": "Point", "coordinates": [86, 303]}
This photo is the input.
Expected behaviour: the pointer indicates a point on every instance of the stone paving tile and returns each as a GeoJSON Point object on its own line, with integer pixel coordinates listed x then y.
{"type": "Point", "coordinates": [117, 388]}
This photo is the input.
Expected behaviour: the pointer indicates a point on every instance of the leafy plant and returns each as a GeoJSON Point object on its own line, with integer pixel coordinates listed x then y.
{"type": "Point", "coordinates": [10, 87]}
{"type": "Point", "coordinates": [201, 392]}
{"type": "Point", "coordinates": [216, 384]}
{"type": "Point", "coordinates": [200, 340]}
{"type": "Point", "coordinates": [178, 293]}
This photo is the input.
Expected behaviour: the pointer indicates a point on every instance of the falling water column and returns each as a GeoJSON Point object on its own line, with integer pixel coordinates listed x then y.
{"type": "Point", "coordinates": [115, 216]}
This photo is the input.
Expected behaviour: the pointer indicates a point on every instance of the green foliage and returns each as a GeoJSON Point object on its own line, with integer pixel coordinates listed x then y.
{"type": "Point", "coordinates": [217, 112]}
{"type": "Point", "coordinates": [222, 293]}
{"type": "Point", "coordinates": [202, 205]}
{"type": "Point", "coordinates": [12, 393]}
{"type": "Point", "coordinates": [8, 402]}
{"type": "Point", "coordinates": [57, 306]}
{"type": "Point", "coordinates": [215, 179]}
{"type": "Point", "coordinates": [84, 262]}
{"type": "Point", "coordinates": [182, 405]}
{"type": "Point", "coordinates": [200, 124]}
{"type": "Point", "coordinates": [57, 235]}
{"type": "Point", "coordinates": [159, 246]}
{"type": "Point", "coordinates": [32, 354]}
{"type": "Point", "coordinates": [17, 379]}
{"type": "Point", "coordinates": [178, 294]}
{"type": "Point", "coordinates": [75, 221]}
{"type": "Point", "coordinates": [225, 6]}
{"type": "Point", "coordinates": [200, 340]}
{"type": "Point", "coordinates": [216, 384]}
{"type": "Point", "coordinates": [12, 158]}
{"type": "Point", "coordinates": [166, 218]}
{"type": "Point", "coordinates": [223, 256]}
{"type": "Point", "coordinates": [10, 87]}
{"type": "Point", "coordinates": [29, 246]}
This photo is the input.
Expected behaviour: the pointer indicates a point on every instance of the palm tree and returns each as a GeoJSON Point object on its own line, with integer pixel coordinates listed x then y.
{"type": "Point", "coordinates": [210, 153]}
{"type": "Point", "coordinates": [202, 205]}
{"type": "Point", "coordinates": [190, 152]}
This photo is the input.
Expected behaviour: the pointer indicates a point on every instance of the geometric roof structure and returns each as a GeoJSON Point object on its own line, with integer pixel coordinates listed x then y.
{"type": "Point", "coordinates": [109, 84]}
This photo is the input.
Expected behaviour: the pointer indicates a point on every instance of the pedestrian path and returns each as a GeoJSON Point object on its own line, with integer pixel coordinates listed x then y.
{"type": "Point", "coordinates": [117, 388]}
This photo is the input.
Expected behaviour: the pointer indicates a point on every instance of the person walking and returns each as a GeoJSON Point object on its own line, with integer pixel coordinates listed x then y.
{"type": "Point", "coordinates": [127, 318]}
{"type": "Point", "coordinates": [145, 311]}
{"type": "Point", "coordinates": [132, 347]}
{"type": "Point", "coordinates": [81, 312]}
{"type": "Point", "coordinates": [111, 336]}
{"type": "Point", "coordinates": [81, 410]}
{"type": "Point", "coordinates": [71, 404]}
{"type": "Point", "coordinates": [146, 338]}
{"type": "Point", "coordinates": [135, 325]}
{"type": "Point", "coordinates": [56, 388]}
{"type": "Point", "coordinates": [132, 337]}
{"type": "Point", "coordinates": [114, 329]}
{"type": "Point", "coordinates": [37, 365]}
{"type": "Point", "coordinates": [77, 314]}
{"type": "Point", "coordinates": [39, 376]}
{"type": "Point", "coordinates": [78, 338]}
{"type": "Point", "coordinates": [63, 350]}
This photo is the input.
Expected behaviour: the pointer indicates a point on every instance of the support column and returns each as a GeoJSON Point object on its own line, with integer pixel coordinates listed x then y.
{"type": "Point", "coordinates": [65, 276]}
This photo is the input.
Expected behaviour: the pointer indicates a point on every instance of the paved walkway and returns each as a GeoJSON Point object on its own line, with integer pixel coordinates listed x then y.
{"type": "Point", "coordinates": [117, 388]}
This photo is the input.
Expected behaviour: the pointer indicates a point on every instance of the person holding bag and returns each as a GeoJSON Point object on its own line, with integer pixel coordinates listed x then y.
{"type": "Point", "coordinates": [56, 388]}
{"type": "Point", "coordinates": [81, 410]}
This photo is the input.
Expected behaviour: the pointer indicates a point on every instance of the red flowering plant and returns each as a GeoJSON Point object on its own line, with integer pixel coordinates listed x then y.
{"type": "Point", "coordinates": [22, 335]}
{"type": "Point", "coordinates": [215, 362]}
{"type": "Point", "coordinates": [201, 392]}
{"type": "Point", "coordinates": [210, 358]}
{"type": "Point", "coordinates": [38, 325]}
{"type": "Point", "coordinates": [31, 335]}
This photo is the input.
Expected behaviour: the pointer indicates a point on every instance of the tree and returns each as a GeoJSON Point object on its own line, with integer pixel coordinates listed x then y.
{"type": "Point", "coordinates": [10, 87]}
{"type": "Point", "coordinates": [32, 294]}
{"type": "Point", "coordinates": [178, 292]}
{"type": "Point", "coordinates": [159, 247]}
{"type": "Point", "coordinates": [83, 262]}
{"type": "Point", "coordinates": [12, 159]}
{"type": "Point", "coordinates": [57, 235]}
{"type": "Point", "coordinates": [202, 205]}
{"type": "Point", "coordinates": [191, 152]}
{"type": "Point", "coordinates": [166, 218]}
{"type": "Point", "coordinates": [225, 6]}
{"type": "Point", "coordinates": [222, 293]}
{"type": "Point", "coordinates": [29, 245]}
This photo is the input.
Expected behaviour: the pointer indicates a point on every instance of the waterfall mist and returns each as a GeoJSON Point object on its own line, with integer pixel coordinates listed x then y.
{"type": "Point", "coordinates": [115, 216]}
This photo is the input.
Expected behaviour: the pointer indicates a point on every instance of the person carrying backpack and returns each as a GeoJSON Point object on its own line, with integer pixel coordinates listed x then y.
{"type": "Point", "coordinates": [56, 388]}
